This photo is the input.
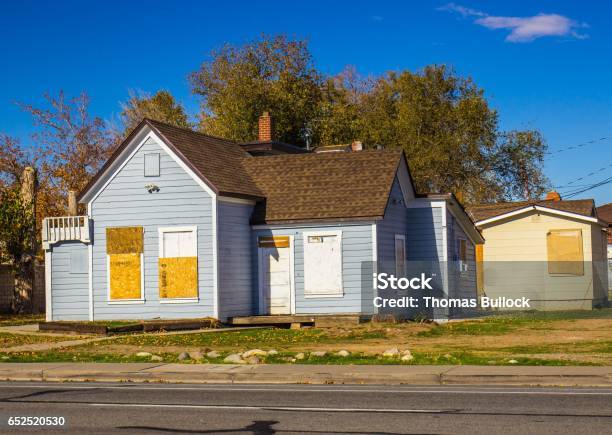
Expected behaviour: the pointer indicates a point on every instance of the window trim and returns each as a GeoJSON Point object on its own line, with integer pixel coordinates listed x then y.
{"type": "Point", "coordinates": [178, 229]}
{"type": "Point", "coordinates": [144, 169]}
{"type": "Point", "coordinates": [337, 233]}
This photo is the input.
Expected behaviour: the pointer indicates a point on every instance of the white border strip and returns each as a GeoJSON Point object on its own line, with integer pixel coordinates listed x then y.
{"type": "Point", "coordinates": [541, 209]}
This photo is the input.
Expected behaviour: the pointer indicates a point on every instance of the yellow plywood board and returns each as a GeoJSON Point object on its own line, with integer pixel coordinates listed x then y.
{"type": "Point", "coordinates": [125, 276]}
{"type": "Point", "coordinates": [178, 277]}
{"type": "Point", "coordinates": [274, 242]}
{"type": "Point", "coordinates": [565, 254]}
{"type": "Point", "coordinates": [124, 240]}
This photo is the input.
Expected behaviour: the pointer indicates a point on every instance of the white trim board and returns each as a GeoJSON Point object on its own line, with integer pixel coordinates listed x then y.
{"type": "Point", "coordinates": [309, 225]}
{"type": "Point", "coordinates": [48, 289]}
{"type": "Point", "coordinates": [541, 209]}
{"type": "Point", "coordinates": [90, 261]}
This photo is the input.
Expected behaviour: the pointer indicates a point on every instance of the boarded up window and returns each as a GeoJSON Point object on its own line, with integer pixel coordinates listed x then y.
{"type": "Point", "coordinates": [565, 255]}
{"type": "Point", "coordinates": [323, 264]}
{"type": "Point", "coordinates": [124, 247]}
{"type": "Point", "coordinates": [124, 240]}
{"type": "Point", "coordinates": [273, 242]}
{"type": "Point", "coordinates": [480, 269]}
{"type": "Point", "coordinates": [178, 263]}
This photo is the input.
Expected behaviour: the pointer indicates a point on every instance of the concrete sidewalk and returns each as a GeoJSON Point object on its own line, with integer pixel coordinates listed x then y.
{"type": "Point", "coordinates": [308, 374]}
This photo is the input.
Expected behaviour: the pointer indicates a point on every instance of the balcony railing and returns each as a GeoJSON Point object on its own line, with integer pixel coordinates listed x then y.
{"type": "Point", "coordinates": [65, 228]}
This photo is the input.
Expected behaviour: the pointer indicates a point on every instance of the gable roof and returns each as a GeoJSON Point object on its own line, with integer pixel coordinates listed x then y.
{"type": "Point", "coordinates": [482, 212]}
{"type": "Point", "coordinates": [323, 186]}
{"type": "Point", "coordinates": [216, 161]}
{"type": "Point", "coordinates": [287, 187]}
{"type": "Point", "coordinates": [458, 210]}
{"type": "Point", "coordinates": [605, 212]}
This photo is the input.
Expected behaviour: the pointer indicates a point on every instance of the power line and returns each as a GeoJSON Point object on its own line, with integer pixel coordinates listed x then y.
{"type": "Point", "coordinates": [593, 186]}
{"type": "Point", "coordinates": [577, 146]}
{"type": "Point", "coordinates": [590, 174]}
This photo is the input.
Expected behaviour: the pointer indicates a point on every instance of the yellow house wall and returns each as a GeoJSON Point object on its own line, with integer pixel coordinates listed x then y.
{"type": "Point", "coordinates": [515, 262]}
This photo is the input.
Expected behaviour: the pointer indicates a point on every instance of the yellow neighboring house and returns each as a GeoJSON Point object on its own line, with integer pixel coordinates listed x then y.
{"type": "Point", "coordinates": [552, 252]}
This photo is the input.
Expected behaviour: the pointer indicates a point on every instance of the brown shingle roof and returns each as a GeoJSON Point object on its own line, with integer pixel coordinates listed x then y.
{"type": "Point", "coordinates": [308, 187]}
{"type": "Point", "coordinates": [216, 160]}
{"type": "Point", "coordinates": [481, 212]}
{"type": "Point", "coordinates": [605, 212]}
{"type": "Point", "coordinates": [290, 187]}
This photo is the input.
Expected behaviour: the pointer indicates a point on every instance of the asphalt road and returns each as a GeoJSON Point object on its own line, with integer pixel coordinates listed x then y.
{"type": "Point", "coordinates": [334, 409]}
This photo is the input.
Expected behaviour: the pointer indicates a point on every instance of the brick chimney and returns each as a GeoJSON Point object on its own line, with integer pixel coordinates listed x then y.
{"type": "Point", "coordinates": [356, 146]}
{"type": "Point", "coordinates": [553, 196]}
{"type": "Point", "coordinates": [266, 128]}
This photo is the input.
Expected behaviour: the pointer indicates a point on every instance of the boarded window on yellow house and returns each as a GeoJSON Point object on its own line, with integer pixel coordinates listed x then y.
{"type": "Point", "coordinates": [124, 248]}
{"type": "Point", "coordinates": [480, 270]}
{"type": "Point", "coordinates": [565, 253]}
{"type": "Point", "coordinates": [178, 263]}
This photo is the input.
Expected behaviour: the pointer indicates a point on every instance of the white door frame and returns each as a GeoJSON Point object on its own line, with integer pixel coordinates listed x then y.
{"type": "Point", "coordinates": [263, 310]}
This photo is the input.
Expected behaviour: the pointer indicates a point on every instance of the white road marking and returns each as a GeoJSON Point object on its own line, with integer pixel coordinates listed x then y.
{"type": "Point", "coordinates": [276, 408]}
{"type": "Point", "coordinates": [357, 389]}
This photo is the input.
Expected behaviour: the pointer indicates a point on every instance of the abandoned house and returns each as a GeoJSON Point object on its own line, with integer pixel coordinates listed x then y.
{"type": "Point", "coordinates": [184, 225]}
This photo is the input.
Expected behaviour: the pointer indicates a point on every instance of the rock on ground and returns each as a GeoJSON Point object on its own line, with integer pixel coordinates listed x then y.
{"type": "Point", "coordinates": [143, 354]}
{"type": "Point", "coordinates": [234, 358]}
{"type": "Point", "coordinates": [319, 353]}
{"type": "Point", "coordinates": [254, 352]}
{"type": "Point", "coordinates": [213, 354]}
{"type": "Point", "coordinates": [343, 353]}
{"type": "Point", "coordinates": [300, 356]}
{"type": "Point", "coordinates": [272, 352]}
{"type": "Point", "coordinates": [156, 358]}
{"type": "Point", "coordinates": [183, 356]}
{"type": "Point", "coordinates": [407, 356]}
{"type": "Point", "coordinates": [253, 359]}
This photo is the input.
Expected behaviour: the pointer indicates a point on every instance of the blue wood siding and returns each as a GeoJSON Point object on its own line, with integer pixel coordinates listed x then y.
{"type": "Point", "coordinates": [394, 222]}
{"type": "Point", "coordinates": [69, 291]}
{"type": "Point", "coordinates": [356, 253]}
{"type": "Point", "coordinates": [236, 295]}
{"type": "Point", "coordinates": [425, 234]}
{"type": "Point", "coordinates": [461, 284]}
{"type": "Point", "coordinates": [179, 202]}
{"type": "Point", "coordinates": [423, 231]}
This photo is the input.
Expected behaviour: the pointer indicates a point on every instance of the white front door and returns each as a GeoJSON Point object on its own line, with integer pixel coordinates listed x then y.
{"type": "Point", "coordinates": [276, 280]}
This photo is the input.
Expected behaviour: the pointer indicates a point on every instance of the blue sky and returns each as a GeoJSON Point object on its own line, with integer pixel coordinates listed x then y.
{"type": "Point", "coordinates": [543, 65]}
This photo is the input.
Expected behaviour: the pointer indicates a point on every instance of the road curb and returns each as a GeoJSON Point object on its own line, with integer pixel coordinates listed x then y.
{"type": "Point", "coordinates": [308, 374]}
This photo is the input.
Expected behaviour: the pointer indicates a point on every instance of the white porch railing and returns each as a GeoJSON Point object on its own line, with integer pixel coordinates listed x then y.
{"type": "Point", "coordinates": [58, 229]}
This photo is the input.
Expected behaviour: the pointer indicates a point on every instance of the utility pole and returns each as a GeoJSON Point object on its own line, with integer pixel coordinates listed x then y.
{"type": "Point", "coordinates": [24, 271]}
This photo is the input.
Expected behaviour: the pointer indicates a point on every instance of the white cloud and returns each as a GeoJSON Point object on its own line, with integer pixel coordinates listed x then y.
{"type": "Point", "coordinates": [461, 10]}
{"type": "Point", "coordinates": [522, 29]}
